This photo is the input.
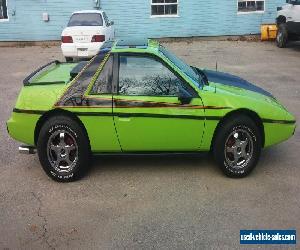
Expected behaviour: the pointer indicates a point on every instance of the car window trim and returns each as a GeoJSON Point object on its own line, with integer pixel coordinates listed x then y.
{"type": "Point", "coordinates": [95, 80]}
{"type": "Point", "coordinates": [191, 91]}
{"type": "Point", "coordinates": [115, 82]}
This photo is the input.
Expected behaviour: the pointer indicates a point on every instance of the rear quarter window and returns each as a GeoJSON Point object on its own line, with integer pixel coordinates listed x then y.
{"type": "Point", "coordinates": [86, 19]}
{"type": "Point", "coordinates": [74, 94]}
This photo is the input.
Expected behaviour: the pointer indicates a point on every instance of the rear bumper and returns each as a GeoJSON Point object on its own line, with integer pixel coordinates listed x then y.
{"type": "Point", "coordinates": [80, 50]}
{"type": "Point", "coordinates": [21, 127]}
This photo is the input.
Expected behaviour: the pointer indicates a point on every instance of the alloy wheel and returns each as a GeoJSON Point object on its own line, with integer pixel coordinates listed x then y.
{"type": "Point", "coordinates": [238, 148]}
{"type": "Point", "coordinates": [62, 151]}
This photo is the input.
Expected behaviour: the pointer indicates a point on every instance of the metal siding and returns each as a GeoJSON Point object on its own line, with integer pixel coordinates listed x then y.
{"type": "Point", "coordinates": [132, 18]}
{"type": "Point", "coordinates": [27, 24]}
{"type": "Point", "coordinates": [196, 18]}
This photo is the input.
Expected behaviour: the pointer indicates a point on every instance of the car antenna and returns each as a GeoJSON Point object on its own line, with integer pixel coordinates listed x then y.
{"type": "Point", "coordinates": [216, 65]}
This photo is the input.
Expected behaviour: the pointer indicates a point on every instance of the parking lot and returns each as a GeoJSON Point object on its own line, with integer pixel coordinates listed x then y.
{"type": "Point", "coordinates": [173, 202]}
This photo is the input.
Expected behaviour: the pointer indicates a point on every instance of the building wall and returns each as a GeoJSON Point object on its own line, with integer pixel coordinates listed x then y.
{"type": "Point", "coordinates": [25, 18]}
{"type": "Point", "coordinates": [196, 18]}
{"type": "Point", "coordinates": [132, 18]}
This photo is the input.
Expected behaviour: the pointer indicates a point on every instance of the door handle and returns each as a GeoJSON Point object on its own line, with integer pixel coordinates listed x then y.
{"type": "Point", "coordinates": [124, 119]}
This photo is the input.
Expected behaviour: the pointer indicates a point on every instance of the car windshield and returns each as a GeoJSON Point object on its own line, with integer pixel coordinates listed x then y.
{"type": "Point", "coordinates": [86, 19]}
{"type": "Point", "coordinates": [181, 65]}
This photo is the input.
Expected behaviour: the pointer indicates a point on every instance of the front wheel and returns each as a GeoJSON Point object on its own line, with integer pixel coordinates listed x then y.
{"type": "Point", "coordinates": [282, 36]}
{"type": "Point", "coordinates": [237, 146]}
{"type": "Point", "coordinates": [63, 149]}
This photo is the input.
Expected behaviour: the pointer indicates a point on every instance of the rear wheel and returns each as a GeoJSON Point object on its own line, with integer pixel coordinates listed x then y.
{"type": "Point", "coordinates": [282, 36]}
{"type": "Point", "coordinates": [69, 59]}
{"type": "Point", "coordinates": [237, 146]}
{"type": "Point", "coordinates": [63, 149]}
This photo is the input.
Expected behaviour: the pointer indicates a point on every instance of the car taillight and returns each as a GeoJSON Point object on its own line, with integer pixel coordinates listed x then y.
{"type": "Point", "coordinates": [66, 39]}
{"type": "Point", "coordinates": [98, 38]}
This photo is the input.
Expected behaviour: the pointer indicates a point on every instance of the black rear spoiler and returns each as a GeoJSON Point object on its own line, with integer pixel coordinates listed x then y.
{"type": "Point", "coordinates": [26, 81]}
{"type": "Point", "coordinates": [76, 70]}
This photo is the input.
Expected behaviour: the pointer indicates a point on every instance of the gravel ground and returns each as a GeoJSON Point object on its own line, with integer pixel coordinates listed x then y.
{"type": "Point", "coordinates": [174, 202]}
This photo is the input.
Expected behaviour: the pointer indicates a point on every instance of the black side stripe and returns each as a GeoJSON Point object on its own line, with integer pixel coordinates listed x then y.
{"type": "Point", "coordinates": [125, 115]}
{"type": "Point", "coordinates": [193, 117]}
{"type": "Point", "coordinates": [278, 121]}
{"type": "Point", "coordinates": [26, 111]}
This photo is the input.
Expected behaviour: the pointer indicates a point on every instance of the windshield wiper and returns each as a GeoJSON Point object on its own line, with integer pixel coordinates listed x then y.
{"type": "Point", "coordinates": [201, 74]}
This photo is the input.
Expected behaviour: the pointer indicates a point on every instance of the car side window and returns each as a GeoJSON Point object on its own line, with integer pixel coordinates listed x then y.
{"type": "Point", "coordinates": [146, 76]}
{"type": "Point", "coordinates": [105, 19]}
{"type": "Point", "coordinates": [103, 84]}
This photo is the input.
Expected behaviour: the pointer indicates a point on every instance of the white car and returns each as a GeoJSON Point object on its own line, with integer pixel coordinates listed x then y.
{"type": "Point", "coordinates": [87, 30]}
{"type": "Point", "coordinates": [288, 22]}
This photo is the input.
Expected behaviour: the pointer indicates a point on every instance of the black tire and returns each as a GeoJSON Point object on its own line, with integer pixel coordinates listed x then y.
{"type": "Point", "coordinates": [245, 128]}
{"type": "Point", "coordinates": [69, 59]}
{"type": "Point", "coordinates": [282, 36]}
{"type": "Point", "coordinates": [71, 135]}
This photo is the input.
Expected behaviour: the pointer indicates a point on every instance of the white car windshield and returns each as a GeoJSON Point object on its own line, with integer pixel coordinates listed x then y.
{"type": "Point", "coordinates": [86, 19]}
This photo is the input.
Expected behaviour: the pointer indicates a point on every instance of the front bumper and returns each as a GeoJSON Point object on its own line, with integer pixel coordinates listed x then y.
{"type": "Point", "coordinates": [276, 132]}
{"type": "Point", "coordinates": [80, 50]}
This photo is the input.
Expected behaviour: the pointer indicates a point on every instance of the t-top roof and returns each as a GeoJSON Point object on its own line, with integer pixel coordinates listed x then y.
{"type": "Point", "coordinates": [132, 43]}
{"type": "Point", "coordinates": [136, 43]}
{"type": "Point", "coordinates": [112, 45]}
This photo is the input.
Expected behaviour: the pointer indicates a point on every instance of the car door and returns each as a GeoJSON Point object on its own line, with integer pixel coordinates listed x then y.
{"type": "Point", "coordinates": [148, 114]}
{"type": "Point", "coordinates": [293, 17]}
{"type": "Point", "coordinates": [109, 27]}
{"type": "Point", "coordinates": [97, 106]}
{"type": "Point", "coordinates": [295, 11]}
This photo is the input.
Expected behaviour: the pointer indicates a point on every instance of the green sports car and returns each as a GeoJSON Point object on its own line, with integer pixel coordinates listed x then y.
{"type": "Point", "coordinates": [137, 97]}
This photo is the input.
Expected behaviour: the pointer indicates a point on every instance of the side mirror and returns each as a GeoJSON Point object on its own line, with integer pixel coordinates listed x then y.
{"type": "Point", "coordinates": [184, 97]}
{"type": "Point", "coordinates": [111, 23]}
